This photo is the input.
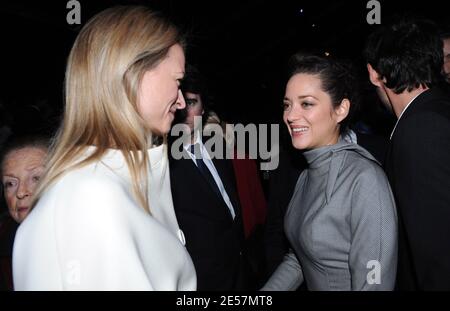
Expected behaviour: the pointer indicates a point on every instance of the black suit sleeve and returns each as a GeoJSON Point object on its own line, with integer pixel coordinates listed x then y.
{"type": "Point", "coordinates": [422, 172]}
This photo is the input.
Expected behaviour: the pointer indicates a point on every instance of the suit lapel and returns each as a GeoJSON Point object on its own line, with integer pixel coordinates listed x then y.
{"type": "Point", "coordinates": [190, 165]}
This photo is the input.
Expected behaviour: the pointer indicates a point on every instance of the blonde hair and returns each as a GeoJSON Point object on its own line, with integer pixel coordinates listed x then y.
{"type": "Point", "coordinates": [104, 70]}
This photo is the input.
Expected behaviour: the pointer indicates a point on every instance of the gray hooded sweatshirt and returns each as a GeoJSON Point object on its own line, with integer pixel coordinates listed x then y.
{"type": "Point", "coordinates": [341, 223]}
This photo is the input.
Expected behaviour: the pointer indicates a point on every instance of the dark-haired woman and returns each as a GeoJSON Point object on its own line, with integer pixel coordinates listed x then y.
{"type": "Point", "coordinates": [341, 221]}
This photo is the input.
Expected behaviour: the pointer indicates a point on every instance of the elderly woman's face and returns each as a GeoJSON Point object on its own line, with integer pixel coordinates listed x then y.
{"type": "Point", "coordinates": [21, 171]}
{"type": "Point", "coordinates": [159, 93]}
{"type": "Point", "coordinates": [309, 114]}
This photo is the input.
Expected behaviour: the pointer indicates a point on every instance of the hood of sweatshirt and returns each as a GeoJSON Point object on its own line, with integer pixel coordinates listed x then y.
{"type": "Point", "coordinates": [333, 157]}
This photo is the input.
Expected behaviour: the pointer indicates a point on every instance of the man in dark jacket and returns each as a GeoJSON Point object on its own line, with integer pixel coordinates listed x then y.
{"type": "Point", "coordinates": [205, 199]}
{"type": "Point", "coordinates": [404, 63]}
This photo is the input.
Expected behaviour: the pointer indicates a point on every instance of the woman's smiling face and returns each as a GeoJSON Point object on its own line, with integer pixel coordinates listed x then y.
{"type": "Point", "coordinates": [309, 114]}
{"type": "Point", "coordinates": [159, 93]}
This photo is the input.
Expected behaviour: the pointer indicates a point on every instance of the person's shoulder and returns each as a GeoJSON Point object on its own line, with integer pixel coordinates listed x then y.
{"type": "Point", "coordinates": [432, 121]}
{"type": "Point", "coordinates": [426, 119]}
{"type": "Point", "coordinates": [92, 176]}
{"type": "Point", "coordinates": [84, 200]}
{"type": "Point", "coordinates": [84, 187]}
{"type": "Point", "coordinates": [364, 175]}
{"type": "Point", "coordinates": [361, 166]}
{"type": "Point", "coordinates": [434, 103]}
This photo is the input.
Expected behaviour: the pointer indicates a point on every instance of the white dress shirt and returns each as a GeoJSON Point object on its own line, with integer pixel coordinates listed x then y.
{"type": "Point", "coordinates": [392, 133]}
{"type": "Point", "coordinates": [209, 163]}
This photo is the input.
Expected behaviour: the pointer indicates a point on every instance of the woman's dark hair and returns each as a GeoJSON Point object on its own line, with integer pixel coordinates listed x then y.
{"type": "Point", "coordinates": [408, 54]}
{"type": "Point", "coordinates": [338, 79]}
{"type": "Point", "coordinates": [16, 143]}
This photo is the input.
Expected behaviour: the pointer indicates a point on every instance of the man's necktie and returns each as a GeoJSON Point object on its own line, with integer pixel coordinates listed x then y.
{"type": "Point", "coordinates": [204, 170]}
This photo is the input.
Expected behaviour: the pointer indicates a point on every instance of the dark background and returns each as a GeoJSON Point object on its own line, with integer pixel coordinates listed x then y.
{"type": "Point", "coordinates": [240, 46]}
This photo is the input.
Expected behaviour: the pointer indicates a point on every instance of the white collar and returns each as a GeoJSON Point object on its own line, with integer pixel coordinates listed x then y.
{"type": "Point", "coordinates": [198, 140]}
{"type": "Point", "coordinates": [396, 123]}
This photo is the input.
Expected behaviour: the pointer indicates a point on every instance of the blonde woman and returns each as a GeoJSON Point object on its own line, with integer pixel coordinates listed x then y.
{"type": "Point", "coordinates": [104, 216]}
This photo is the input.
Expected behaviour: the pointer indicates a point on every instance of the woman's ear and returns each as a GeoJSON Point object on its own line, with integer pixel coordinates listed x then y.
{"type": "Point", "coordinates": [342, 110]}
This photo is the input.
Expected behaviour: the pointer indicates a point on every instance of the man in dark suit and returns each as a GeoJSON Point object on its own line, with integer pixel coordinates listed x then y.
{"type": "Point", "coordinates": [404, 63]}
{"type": "Point", "coordinates": [205, 201]}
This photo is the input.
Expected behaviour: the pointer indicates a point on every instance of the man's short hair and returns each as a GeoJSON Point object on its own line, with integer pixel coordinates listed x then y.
{"type": "Point", "coordinates": [193, 81]}
{"type": "Point", "coordinates": [408, 54]}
